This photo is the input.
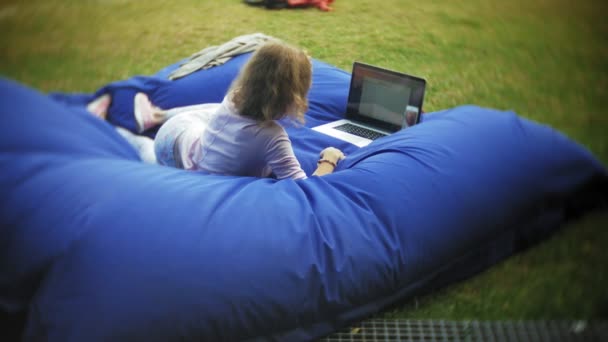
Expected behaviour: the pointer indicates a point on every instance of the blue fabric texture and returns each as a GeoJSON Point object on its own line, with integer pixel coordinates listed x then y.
{"type": "Point", "coordinates": [96, 245]}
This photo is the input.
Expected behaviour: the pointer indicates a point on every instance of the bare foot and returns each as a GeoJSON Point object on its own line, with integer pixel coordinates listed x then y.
{"type": "Point", "coordinates": [99, 106]}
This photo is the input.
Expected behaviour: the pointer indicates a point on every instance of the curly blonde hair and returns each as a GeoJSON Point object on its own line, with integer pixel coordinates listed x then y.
{"type": "Point", "coordinates": [273, 84]}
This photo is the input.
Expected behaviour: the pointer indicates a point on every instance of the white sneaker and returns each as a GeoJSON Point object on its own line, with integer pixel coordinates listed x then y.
{"type": "Point", "coordinates": [99, 106]}
{"type": "Point", "coordinates": [144, 112]}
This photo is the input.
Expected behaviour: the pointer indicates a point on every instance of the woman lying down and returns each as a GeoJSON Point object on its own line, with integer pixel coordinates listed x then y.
{"type": "Point", "coordinates": [241, 135]}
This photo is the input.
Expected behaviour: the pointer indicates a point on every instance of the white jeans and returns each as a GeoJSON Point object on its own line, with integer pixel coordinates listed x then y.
{"type": "Point", "coordinates": [162, 149]}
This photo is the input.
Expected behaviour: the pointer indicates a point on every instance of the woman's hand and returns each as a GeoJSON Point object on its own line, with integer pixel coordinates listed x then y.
{"type": "Point", "coordinates": [329, 158]}
{"type": "Point", "coordinates": [332, 154]}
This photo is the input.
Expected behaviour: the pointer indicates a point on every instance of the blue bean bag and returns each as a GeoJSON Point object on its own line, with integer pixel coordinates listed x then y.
{"type": "Point", "coordinates": [96, 245]}
{"type": "Point", "coordinates": [327, 97]}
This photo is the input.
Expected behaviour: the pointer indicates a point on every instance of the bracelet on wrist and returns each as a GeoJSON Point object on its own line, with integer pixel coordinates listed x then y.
{"type": "Point", "coordinates": [326, 161]}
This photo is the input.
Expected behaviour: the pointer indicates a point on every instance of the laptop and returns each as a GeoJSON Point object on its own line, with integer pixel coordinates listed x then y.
{"type": "Point", "coordinates": [380, 102]}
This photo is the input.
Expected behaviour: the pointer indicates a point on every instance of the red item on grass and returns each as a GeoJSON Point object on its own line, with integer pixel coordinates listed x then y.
{"type": "Point", "coordinates": [321, 4]}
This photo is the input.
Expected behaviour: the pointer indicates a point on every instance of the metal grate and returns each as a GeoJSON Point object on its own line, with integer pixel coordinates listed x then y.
{"type": "Point", "coordinates": [486, 331]}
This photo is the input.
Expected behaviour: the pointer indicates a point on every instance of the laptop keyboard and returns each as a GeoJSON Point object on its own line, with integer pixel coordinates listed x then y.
{"type": "Point", "coordinates": [360, 131]}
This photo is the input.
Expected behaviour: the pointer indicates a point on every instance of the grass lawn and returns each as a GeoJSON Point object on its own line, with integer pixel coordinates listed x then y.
{"type": "Point", "coordinates": [545, 59]}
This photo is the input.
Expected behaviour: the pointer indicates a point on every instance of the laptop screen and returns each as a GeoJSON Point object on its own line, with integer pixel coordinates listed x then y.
{"type": "Point", "coordinates": [383, 98]}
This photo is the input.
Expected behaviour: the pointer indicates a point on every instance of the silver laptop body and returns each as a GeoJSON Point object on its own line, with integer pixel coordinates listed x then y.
{"type": "Point", "coordinates": [380, 102]}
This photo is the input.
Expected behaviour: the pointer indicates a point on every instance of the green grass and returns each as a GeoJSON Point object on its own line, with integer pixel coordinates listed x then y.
{"type": "Point", "coordinates": [546, 60]}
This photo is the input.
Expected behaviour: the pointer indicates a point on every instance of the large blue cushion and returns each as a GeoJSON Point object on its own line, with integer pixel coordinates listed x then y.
{"type": "Point", "coordinates": [96, 245]}
{"type": "Point", "coordinates": [327, 96]}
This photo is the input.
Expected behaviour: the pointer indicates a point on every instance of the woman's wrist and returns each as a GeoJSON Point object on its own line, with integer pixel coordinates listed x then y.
{"type": "Point", "coordinates": [327, 161]}
{"type": "Point", "coordinates": [332, 157]}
